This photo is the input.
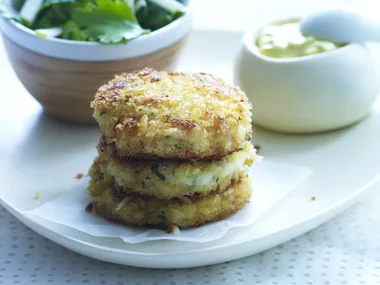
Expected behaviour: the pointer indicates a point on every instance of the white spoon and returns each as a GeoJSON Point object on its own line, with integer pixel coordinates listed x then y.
{"type": "Point", "coordinates": [344, 25]}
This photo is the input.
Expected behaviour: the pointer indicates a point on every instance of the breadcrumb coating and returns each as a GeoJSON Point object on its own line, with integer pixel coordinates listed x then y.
{"type": "Point", "coordinates": [167, 179]}
{"type": "Point", "coordinates": [190, 116]}
{"type": "Point", "coordinates": [153, 212]}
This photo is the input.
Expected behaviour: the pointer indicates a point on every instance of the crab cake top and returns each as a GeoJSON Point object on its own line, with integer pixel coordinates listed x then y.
{"type": "Point", "coordinates": [151, 114]}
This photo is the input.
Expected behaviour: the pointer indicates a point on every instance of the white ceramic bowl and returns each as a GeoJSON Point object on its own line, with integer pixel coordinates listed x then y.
{"type": "Point", "coordinates": [94, 51]}
{"type": "Point", "coordinates": [307, 94]}
{"type": "Point", "coordinates": [64, 75]}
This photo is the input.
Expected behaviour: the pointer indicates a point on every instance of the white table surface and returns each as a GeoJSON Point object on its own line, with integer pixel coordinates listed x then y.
{"type": "Point", "coordinates": [346, 250]}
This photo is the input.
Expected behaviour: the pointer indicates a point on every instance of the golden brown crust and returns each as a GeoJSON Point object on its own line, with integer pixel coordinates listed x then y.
{"type": "Point", "coordinates": [102, 211]}
{"type": "Point", "coordinates": [153, 212]}
{"type": "Point", "coordinates": [168, 179]}
{"type": "Point", "coordinates": [150, 114]}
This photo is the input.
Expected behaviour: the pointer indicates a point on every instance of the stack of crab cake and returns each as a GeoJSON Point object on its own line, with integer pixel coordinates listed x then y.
{"type": "Point", "coordinates": [174, 152]}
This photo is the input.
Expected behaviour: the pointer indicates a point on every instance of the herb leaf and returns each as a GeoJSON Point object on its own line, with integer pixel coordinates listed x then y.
{"type": "Point", "coordinates": [105, 21]}
{"type": "Point", "coordinates": [161, 217]}
{"type": "Point", "coordinates": [177, 146]}
{"type": "Point", "coordinates": [108, 22]}
{"type": "Point", "coordinates": [172, 6]}
{"type": "Point", "coordinates": [71, 31]}
{"type": "Point", "coordinates": [52, 16]}
{"type": "Point", "coordinates": [154, 169]}
{"type": "Point", "coordinates": [156, 14]}
{"type": "Point", "coordinates": [49, 3]}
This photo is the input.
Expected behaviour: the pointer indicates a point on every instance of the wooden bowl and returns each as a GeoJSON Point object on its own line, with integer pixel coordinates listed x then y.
{"type": "Point", "coordinates": [63, 76]}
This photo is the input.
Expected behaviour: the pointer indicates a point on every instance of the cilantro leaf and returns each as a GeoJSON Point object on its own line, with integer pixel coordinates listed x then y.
{"type": "Point", "coordinates": [172, 6]}
{"type": "Point", "coordinates": [111, 21]}
{"type": "Point", "coordinates": [157, 14]}
{"type": "Point", "coordinates": [49, 3]}
{"type": "Point", "coordinates": [53, 15]}
{"type": "Point", "coordinates": [105, 21]}
{"type": "Point", "coordinates": [154, 17]}
{"type": "Point", "coordinates": [71, 31]}
{"type": "Point", "coordinates": [154, 169]}
{"type": "Point", "coordinates": [139, 4]}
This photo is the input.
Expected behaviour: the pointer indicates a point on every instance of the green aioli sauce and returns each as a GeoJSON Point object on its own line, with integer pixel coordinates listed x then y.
{"type": "Point", "coordinates": [285, 40]}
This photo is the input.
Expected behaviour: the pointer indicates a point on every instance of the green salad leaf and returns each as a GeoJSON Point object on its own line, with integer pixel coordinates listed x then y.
{"type": "Point", "coordinates": [104, 21]}
{"type": "Point", "coordinates": [172, 6]}
{"type": "Point", "coordinates": [139, 4]}
{"type": "Point", "coordinates": [49, 3]}
{"type": "Point", "coordinates": [71, 31]}
{"type": "Point", "coordinates": [157, 14]}
{"type": "Point", "coordinates": [153, 17]}
{"type": "Point", "coordinates": [53, 15]}
{"type": "Point", "coordinates": [111, 21]}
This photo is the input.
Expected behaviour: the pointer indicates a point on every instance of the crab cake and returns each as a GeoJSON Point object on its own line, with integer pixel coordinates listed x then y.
{"type": "Point", "coordinates": [167, 179]}
{"type": "Point", "coordinates": [112, 204]}
{"type": "Point", "coordinates": [151, 115]}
